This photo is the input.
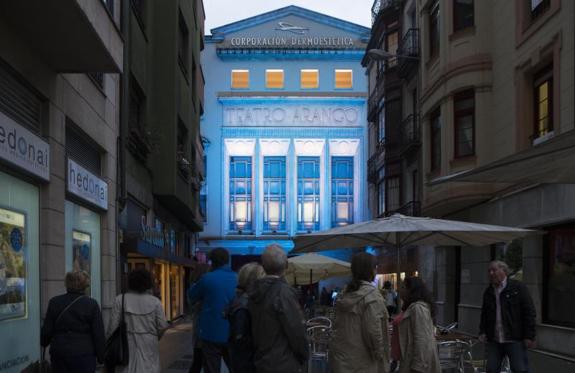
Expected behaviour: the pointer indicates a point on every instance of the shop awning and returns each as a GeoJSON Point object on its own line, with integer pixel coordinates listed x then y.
{"type": "Point", "coordinates": [549, 162]}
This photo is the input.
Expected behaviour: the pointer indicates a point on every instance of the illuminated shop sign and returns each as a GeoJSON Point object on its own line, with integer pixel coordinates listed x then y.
{"type": "Point", "coordinates": [316, 115]}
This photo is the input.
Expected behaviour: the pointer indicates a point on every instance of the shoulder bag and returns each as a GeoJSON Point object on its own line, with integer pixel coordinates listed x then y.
{"type": "Point", "coordinates": [116, 353]}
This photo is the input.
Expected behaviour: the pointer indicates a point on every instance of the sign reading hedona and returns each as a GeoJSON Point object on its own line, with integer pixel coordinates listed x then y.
{"type": "Point", "coordinates": [297, 115]}
{"type": "Point", "coordinates": [84, 184]}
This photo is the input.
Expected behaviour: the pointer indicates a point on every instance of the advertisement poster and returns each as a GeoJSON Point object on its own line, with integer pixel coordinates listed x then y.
{"type": "Point", "coordinates": [12, 265]}
{"type": "Point", "coordinates": [81, 248]}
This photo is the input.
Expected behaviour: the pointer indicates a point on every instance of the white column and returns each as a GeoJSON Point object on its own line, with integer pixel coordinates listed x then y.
{"type": "Point", "coordinates": [291, 184]}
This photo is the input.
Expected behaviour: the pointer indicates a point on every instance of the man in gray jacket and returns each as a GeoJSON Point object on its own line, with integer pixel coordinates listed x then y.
{"type": "Point", "coordinates": [278, 326]}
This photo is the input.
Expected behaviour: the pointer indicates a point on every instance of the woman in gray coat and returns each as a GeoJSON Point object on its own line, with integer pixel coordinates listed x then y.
{"type": "Point", "coordinates": [145, 321]}
{"type": "Point", "coordinates": [360, 342]}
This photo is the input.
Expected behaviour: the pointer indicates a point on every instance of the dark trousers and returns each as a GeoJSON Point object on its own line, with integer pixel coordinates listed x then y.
{"type": "Point", "coordinates": [72, 364]}
{"type": "Point", "coordinates": [515, 351]}
{"type": "Point", "coordinates": [197, 362]}
{"type": "Point", "coordinates": [212, 354]}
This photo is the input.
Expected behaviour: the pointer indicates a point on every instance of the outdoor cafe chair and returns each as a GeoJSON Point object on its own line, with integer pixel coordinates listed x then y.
{"type": "Point", "coordinates": [319, 321]}
{"type": "Point", "coordinates": [319, 338]}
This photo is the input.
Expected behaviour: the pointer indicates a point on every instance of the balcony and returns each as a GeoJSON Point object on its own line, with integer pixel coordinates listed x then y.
{"type": "Point", "coordinates": [410, 135]}
{"type": "Point", "coordinates": [412, 208]}
{"type": "Point", "coordinates": [71, 37]}
{"type": "Point", "coordinates": [374, 101]}
{"type": "Point", "coordinates": [381, 7]}
{"type": "Point", "coordinates": [409, 47]}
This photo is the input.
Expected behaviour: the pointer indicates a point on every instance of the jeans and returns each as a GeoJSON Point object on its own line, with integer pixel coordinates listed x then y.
{"type": "Point", "coordinates": [515, 351]}
{"type": "Point", "coordinates": [212, 354]}
{"type": "Point", "coordinates": [73, 364]}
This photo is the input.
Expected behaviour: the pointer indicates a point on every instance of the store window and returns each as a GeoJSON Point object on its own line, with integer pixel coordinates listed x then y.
{"type": "Point", "coordinates": [240, 79]}
{"type": "Point", "coordinates": [435, 140]}
{"type": "Point", "coordinates": [341, 191]}
{"type": "Point", "coordinates": [274, 78]}
{"type": "Point", "coordinates": [309, 78]}
{"type": "Point", "coordinates": [274, 194]}
{"type": "Point", "coordinates": [464, 123]}
{"type": "Point", "coordinates": [463, 14]}
{"type": "Point", "coordinates": [559, 284]}
{"type": "Point", "coordinates": [543, 102]}
{"type": "Point", "coordinates": [434, 27]}
{"type": "Point", "coordinates": [308, 194]}
{"type": "Point", "coordinates": [343, 79]}
{"type": "Point", "coordinates": [240, 194]}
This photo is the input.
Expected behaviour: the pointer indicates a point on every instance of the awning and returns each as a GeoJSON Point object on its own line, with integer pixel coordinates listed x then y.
{"type": "Point", "coordinates": [549, 162]}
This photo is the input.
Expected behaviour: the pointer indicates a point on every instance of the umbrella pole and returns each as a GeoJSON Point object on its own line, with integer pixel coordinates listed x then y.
{"type": "Point", "coordinates": [310, 277]}
{"type": "Point", "coordinates": [398, 247]}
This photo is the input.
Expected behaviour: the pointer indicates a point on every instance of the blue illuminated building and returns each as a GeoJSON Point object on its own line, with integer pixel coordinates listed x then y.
{"type": "Point", "coordinates": [284, 128]}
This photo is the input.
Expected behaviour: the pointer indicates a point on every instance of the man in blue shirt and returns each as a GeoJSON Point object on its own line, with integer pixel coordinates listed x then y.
{"type": "Point", "coordinates": [216, 290]}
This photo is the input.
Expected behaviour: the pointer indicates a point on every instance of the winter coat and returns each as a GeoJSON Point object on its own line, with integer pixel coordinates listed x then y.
{"type": "Point", "coordinates": [145, 321]}
{"type": "Point", "coordinates": [80, 330]}
{"type": "Point", "coordinates": [278, 327]}
{"type": "Point", "coordinates": [360, 341]}
{"type": "Point", "coordinates": [417, 340]}
{"type": "Point", "coordinates": [517, 312]}
{"type": "Point", "coordinates": [216, 290]}
{"type": "Point", "coordinates": [241, 346]}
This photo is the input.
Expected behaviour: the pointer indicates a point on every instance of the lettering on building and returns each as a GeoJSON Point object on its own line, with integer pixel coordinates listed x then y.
{"type": "Point", "coordinates": [291, 116]}
{"type": "Point", "coordinates": [84, 184]}
{"type": "Point", "coordinates": [293, 41]}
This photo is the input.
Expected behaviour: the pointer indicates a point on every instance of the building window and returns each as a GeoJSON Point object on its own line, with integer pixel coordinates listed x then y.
{"type": "Point", "coordinates": [204, 194]}
{"type": "Point", "coordinates": [274, 78]}
{"type": "Point", "coordinates": [463, 14]}
{"type": "Point", "coordinates": [341, 191]}
{"type": "Point", "coordinates": [309, 78]}
{"type": "Point", "coordinates": [538, 7]}
{"type": "Point", "coordinates": [391, 43]}
{"type": "Point", "coordinates": [434, 28]}
{"type": "Point", "coordinates": [139, 7]}
{"type": "Point", "coordinates": [381, 198]}
{"type": "Point", "coordinates": [240, 79]}
{"type": "Point", "coordinates": [183, 40]}
{"type": "Point", "coordinates": [381, 126]}
{"type": "Point", "coordinates": [543, 105]}
{"type": "Point", "coordinates": [308, 194]}
{"type": "Point", "coordinates": [274, 194]}
{"type": "Point", "coordinates": [435, 140]}
{"type": "Point", "coordinates": [558, 286]}
{"type": "Point", "coordinates": [393, 193]}
{"type": "Point", "coordinates": [464, 123]}
{"type": "Point", "coordinates": [182, 150]}
{"type": "Point", "coordinates": [241, 194]}
{"type": "Point", "coordinates": [137, 102]}
{"type": "Point", "coordinates": [343, 79]}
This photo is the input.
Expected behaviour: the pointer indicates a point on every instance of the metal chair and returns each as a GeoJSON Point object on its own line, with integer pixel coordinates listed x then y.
{"type": "Point", "coordinates": [452, 355]}
{"type": "Point", "coordinates": [319, 321]}
{"type": "Point", "coordinates": [319, 337]}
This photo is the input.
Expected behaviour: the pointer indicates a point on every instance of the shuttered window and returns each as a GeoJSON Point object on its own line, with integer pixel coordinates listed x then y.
{"type": "Point", "coordinates": [82, 150]}
{"type": "Point", "coordinates": [309, 78]}
{"type": "Point", "coordinates": [18, 101]}
{"type": "Point", "coordinates": [274, 79]}
{"type": "Point", "coordinates": [343, 79]}
{"type": "Point", "coordinates": [240, 79]}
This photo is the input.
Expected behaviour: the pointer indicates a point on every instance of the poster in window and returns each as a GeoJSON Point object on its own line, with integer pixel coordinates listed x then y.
{"type": "Point", "coordinates": [12, 264]}
{"type": "Point", "coordinates": [81, 248]}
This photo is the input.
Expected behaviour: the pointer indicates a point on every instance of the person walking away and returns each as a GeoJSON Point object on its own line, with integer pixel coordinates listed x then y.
{"type": "Point", "coordinates": [416, 330]}
{"type": "Point", "coordinates": [278, 326]}
{"type": "Point", "coordinates": [73, 328]}
{"type": "Point", "coordinates": [216, 290]}
{"type": "Point", "coordinates": [241, 346]}
{"type": "Point", "coordinates": [360, 341]}
{"type": "Point", "coordinates": [507, 320]}
{"type": "Point", "coordinates": [145, 323]}
{"type": "Point", "coordinates": [390, 297]}
{"type": "Point", "coordinates": [199, 270]}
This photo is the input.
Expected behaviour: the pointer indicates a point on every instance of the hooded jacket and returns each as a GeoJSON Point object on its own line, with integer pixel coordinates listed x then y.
{"type": "Point", "coordinates": [360, 341]}
{"type": "Point", "coordinates": [278, 327]}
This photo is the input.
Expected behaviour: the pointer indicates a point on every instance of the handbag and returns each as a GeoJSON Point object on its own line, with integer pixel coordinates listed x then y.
{"type": "Point", "coordinates": [116, 352]}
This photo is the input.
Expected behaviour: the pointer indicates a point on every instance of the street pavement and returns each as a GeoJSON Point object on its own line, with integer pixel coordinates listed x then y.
{"type": "Point", "coordinates": [177, 349]}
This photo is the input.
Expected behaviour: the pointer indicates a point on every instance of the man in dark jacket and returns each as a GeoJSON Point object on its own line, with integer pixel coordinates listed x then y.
{"type": "Point", "coordinates": [507, 320]}
{"type": "Point", "coordinates": [74, 328]}
{"type": "Point", "coordinates": [216, 290]}
{"type": "Point", "coordinates": [278, 326]}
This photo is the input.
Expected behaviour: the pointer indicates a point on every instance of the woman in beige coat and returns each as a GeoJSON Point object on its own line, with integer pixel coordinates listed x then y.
{"type": "Point", "coordinates": [360, 341]}
{"type": "Point", "coordinates": [145, 321]}
{"type": "Point", "coordinates": [416, 330]}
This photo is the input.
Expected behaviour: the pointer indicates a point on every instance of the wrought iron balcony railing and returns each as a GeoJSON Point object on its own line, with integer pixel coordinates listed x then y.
{"type": "Point", "coordinates": [412, 208]}
{"type": "Point", "coordinates": [409, 51]}
{"type": "Point", "coordinates": [381, 6]}
{"type": "Point", "coordinates": [410, 134]}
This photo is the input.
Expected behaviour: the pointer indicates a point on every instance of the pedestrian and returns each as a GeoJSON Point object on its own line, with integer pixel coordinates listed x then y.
{"type": "Point", "coordinates": [360, 341]}
{"type": "Point", "coordinates": [73, 328]}
{"type": "Point", "coordinates": [195, 308]}
{"type": "Point", "coordinates": [395, 347]}
{"type": "Point", "coordinates": [390, 297]}
{"type": "Point", "coordinates": [216, 290]}
{"type": "Point", "coordinates": [145, 323]}
{"type": "Point", "coordinates": [507, 320]}
{"type": "Point", "coordinates": [418, 346]}
{"type": "Point", "coordinates": [241, 345]}
{"type": "Point", "coordinates": [278, 326]}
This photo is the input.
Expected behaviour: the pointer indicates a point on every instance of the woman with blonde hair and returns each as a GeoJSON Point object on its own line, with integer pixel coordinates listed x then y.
{"type": "Point", "coordinates": [73, 327]}
{"type": "Point", "coordinates": [241, 348]}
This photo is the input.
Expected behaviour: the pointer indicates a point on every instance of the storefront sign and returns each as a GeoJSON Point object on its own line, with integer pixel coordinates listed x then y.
{"type": "Point", "coordinates": [24, 149]}
{"type": "Point", "coordinates": [292, 41]}
{"type": "Point", "coordinates": [82, 183]}
{"type": "Point", "coordinates": [292, 116]}
{"type": "Point", "coordinates": [12, 265]}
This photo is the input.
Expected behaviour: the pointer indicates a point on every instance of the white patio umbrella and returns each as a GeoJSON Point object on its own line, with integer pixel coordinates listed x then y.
{"type": "Point", "coordinates": [311, 268]}
{"type": "Point", "coordinates": [401, 231]}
